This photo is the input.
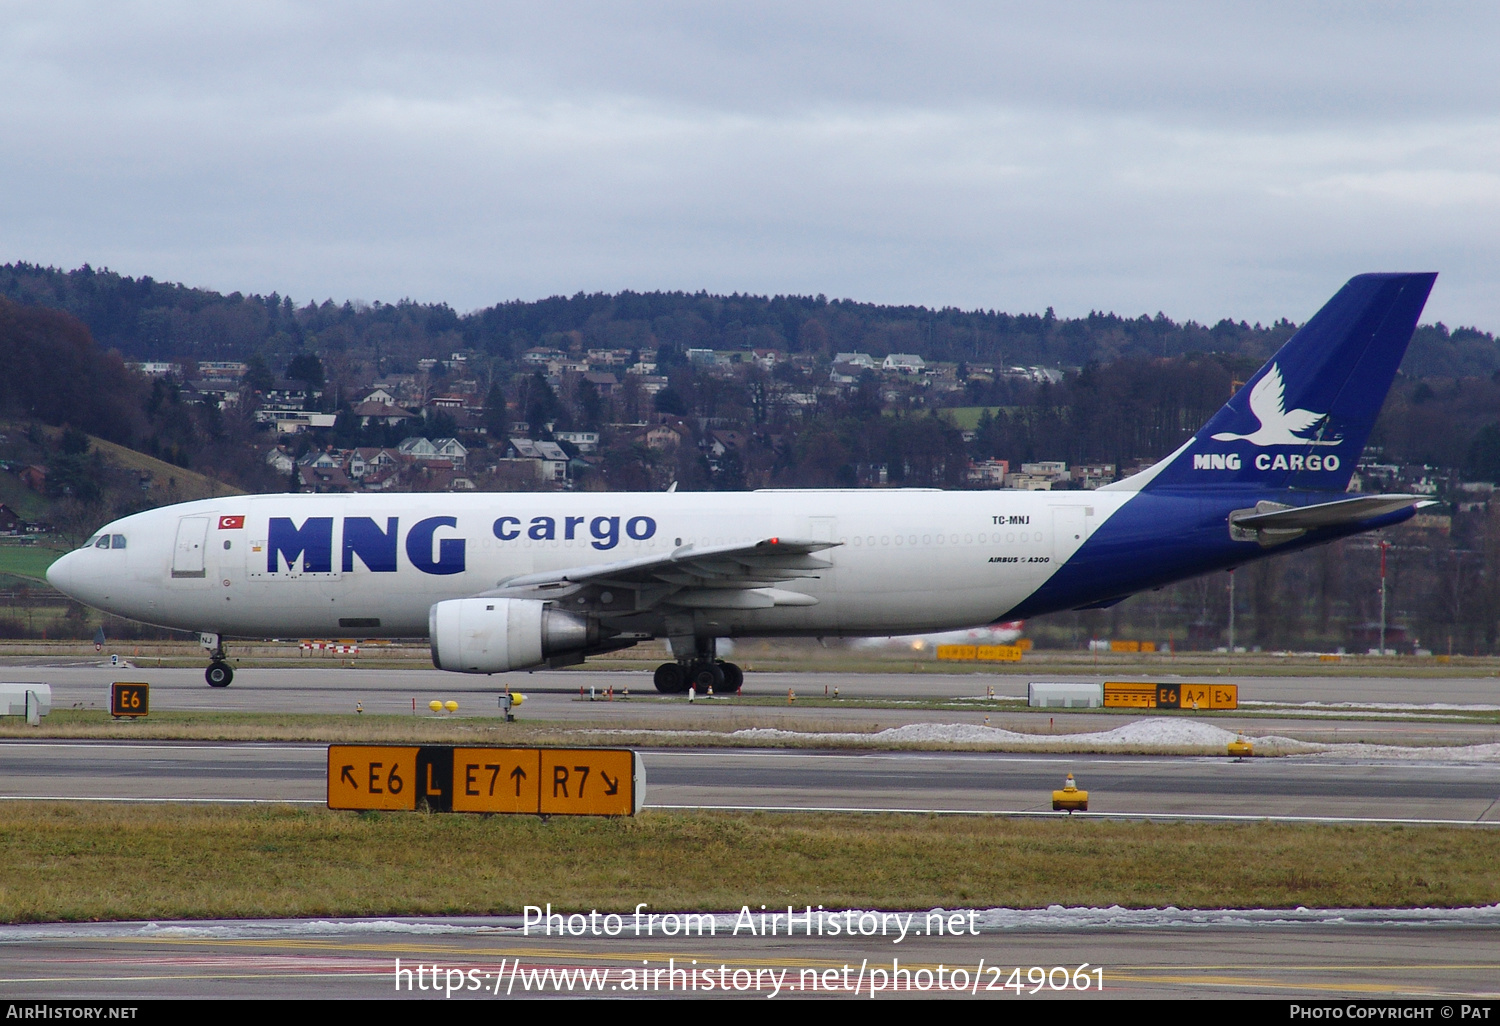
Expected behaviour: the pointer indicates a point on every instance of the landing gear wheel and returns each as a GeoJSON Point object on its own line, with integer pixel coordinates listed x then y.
{"type": "Point", "coordinates": [708, 675]}
{"type": "Point", "coordinates": [218, 674]}
{"type": "Point", "coordinates": [734, 678]}
{"type": "Point", "coordinates": [670, 679]}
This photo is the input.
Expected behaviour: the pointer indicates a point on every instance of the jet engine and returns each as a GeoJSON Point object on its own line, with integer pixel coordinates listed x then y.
{"type": "Point", "coordinates": [492, 635]}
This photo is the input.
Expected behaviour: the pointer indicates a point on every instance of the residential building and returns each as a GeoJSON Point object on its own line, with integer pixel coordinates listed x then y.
{"type": "Point", "coordinates": [375, 412]}
{"type": "Point", "coordinates": [605, 383]}
{"type": "Point", "coordinates": [453, 450]}
{"type": "Point", "coordinates": [157, 368]}
{"type": "Point", "coordinates": [583, 441]}
{"type": "Point", "coordinates": [552, 460]}
{"type": "Point", "coordinates": [417, 449]}
{"type": "Point", "coordinates": [320, 479]}
{"type": "Point", "coordinates": [279, 460]}
{"type": "Point", "coordinates": [989, 473]}
{"type": "Point", "coordinates": [904, 363]}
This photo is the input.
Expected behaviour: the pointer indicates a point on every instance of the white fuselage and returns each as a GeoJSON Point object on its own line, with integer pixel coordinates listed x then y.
{"type": "Point", "coordinates": [905, 561]}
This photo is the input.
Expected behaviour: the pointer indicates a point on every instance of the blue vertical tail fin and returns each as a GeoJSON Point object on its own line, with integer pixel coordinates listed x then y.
{"type": "Point", "coordinates": [1302, 420]}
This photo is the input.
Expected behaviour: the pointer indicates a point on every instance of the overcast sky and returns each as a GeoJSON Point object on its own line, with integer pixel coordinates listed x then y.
{"type": "Point", "coordinates": [1206, 160]}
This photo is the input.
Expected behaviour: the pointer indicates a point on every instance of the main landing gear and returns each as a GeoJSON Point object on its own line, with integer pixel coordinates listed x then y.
{"type": "Point", "coordinates": [219, 673]}
{"type": "Point", "coordinates": [696, 667]}
{"type": "Point", "coordinates": [676, 678]}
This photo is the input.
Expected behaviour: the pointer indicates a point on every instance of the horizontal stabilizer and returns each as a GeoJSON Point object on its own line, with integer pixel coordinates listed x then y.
{"type": "Point", "coordinates": [1330, 514]}
{"type": "Point", "coordinates": [1104, 603]}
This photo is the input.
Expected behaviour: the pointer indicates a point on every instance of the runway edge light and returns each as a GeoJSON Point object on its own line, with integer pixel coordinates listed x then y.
{"type": "Point", "coordinates": [1070, 798]}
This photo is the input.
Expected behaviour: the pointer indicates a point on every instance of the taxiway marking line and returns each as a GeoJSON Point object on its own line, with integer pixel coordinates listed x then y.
{"type": "Point", "coordinates": [1206, 817]}
{"type": "Point", "coordinates": [138, 801]}
{"type": "Point", "coordinates": [1047, 814]}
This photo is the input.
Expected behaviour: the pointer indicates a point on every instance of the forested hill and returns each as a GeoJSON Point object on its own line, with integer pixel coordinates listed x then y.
{"type": "Point", "coordinates": [147, 319]}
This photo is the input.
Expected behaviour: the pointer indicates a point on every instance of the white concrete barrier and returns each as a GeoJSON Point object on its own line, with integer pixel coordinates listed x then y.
{"type": "Point", "coordinates": [13, 700]}
{"type": "Point", "coordinates": [1065, 696]}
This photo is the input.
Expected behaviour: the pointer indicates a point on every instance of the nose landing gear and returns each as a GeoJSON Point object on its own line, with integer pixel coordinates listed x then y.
{"type": "Point", "coordinates": [219, 673]}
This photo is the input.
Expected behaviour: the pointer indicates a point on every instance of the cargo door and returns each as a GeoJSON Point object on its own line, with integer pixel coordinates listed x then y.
{"type": "Point", "coordinates": [187, 556]}
{"type": "Point", "coordinates": [1069, 531]}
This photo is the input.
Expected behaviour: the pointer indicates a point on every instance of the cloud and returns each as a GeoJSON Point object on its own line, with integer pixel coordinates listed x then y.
{"type": "Point", "coordinates": [1238, 160]}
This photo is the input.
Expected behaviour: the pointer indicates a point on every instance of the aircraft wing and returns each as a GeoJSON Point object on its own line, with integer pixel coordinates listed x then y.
{"type": "Point", "coordinates": [715, 577]}
{"type": "Point", "coordinates": [1330, 514]}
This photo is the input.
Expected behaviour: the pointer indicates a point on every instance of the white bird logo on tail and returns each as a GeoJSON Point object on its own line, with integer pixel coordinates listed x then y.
{"type": "Point", "coordinates": [1278, 425]}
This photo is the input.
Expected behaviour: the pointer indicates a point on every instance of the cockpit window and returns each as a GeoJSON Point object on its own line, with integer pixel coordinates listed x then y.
{"type": "Point", "coordinates": [103, 542]}
{"type": "Point", "coordinates": [119, 541]}
{"type": "Point", "coordinates": [90, 543]}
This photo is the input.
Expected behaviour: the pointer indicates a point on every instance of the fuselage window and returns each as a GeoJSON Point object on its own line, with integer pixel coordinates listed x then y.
{"type": "Point", "coordinates": [119, 541]}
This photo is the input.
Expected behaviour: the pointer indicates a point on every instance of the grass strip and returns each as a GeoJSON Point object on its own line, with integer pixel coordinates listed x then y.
{"type": "Point", "coordinates": [75, 862]}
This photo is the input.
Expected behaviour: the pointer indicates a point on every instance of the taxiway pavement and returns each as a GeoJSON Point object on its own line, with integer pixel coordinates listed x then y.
{"type": "Point", "coordinates": [1314, 787]}
{"type": "Point", "coordinates": [1443, 958]}
{"type": "Point", "coordinates": [561, 696]}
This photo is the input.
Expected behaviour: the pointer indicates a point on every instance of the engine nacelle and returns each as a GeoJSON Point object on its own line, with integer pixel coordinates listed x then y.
{"type": "Point", "coordinates": [492, 635]}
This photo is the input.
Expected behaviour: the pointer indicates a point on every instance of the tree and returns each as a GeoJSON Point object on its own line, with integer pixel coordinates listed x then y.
{"type": "Point", "coordinates": [306, 368]}
{"type": "Point", "coordinates": [258, 376]}
{"type": "Point", "coordinates": [496, 412]}
{"type": "Point", "coordinates": [590, 405]}
{"type": "Point", "coordinates": [669, 400]}
{"type": "Point", "coordinates": [539, 401]}
{"type": "Point", "coordinates": [1483, 461]}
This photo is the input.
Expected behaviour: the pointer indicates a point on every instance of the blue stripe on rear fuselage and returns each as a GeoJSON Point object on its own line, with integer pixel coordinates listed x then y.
{"type": "Point", "coordinates": [1160, 537]}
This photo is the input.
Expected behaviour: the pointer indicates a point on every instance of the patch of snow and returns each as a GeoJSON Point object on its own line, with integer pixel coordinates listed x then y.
{"type": "Point", "coordinates": [1155, 732]}
{"type": "Point", "coordinates": [989, 920]}
{"type": "Point", "coordinates": [1396, 706]}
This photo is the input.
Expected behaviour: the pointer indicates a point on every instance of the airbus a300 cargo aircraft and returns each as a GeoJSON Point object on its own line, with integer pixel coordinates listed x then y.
{"type": "Point", "coordinates": [506, 581]}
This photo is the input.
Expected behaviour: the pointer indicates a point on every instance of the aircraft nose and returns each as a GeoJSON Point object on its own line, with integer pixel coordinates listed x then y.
{"type": "Point", "coordinates": [63, 573]}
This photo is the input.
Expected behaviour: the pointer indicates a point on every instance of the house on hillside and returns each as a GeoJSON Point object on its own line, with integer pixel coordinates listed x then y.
{"type": "Point", "coordinates": [417, 449]}
{"type": "Point", "coordinates": [453, 450]}
{"type": "Point", "coordinates": [370, 460]}
{"type": "Point", "coordinates": [374, 412]}
{"type": "Point", "coordinates": [722, 441]}
{"type": "Point", "coordinates": [279, 460]}
{"type": "Point", "coordinates": [34, 477]}
{"type": "Point", "coordinates": [844, 373]}
{"type": "Point", "coordinates": [989, 473]}
{"type": "Point", "coordinates": [604, 382]}
{"type": "Point", "coordinates": [10, 521]}
{"type": "Point", "coordinates": [382, 479]}
{"type": "Point", "coordinates": [584, 441]}
{"type": "Point", "coordinates": [904, 363]}
{"type": "Point", "coordinates": [553, 460]}
{"type": "Point", "coordinates": [323, 479]}
{"type": "Point", "coordinates": [325, 460]}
